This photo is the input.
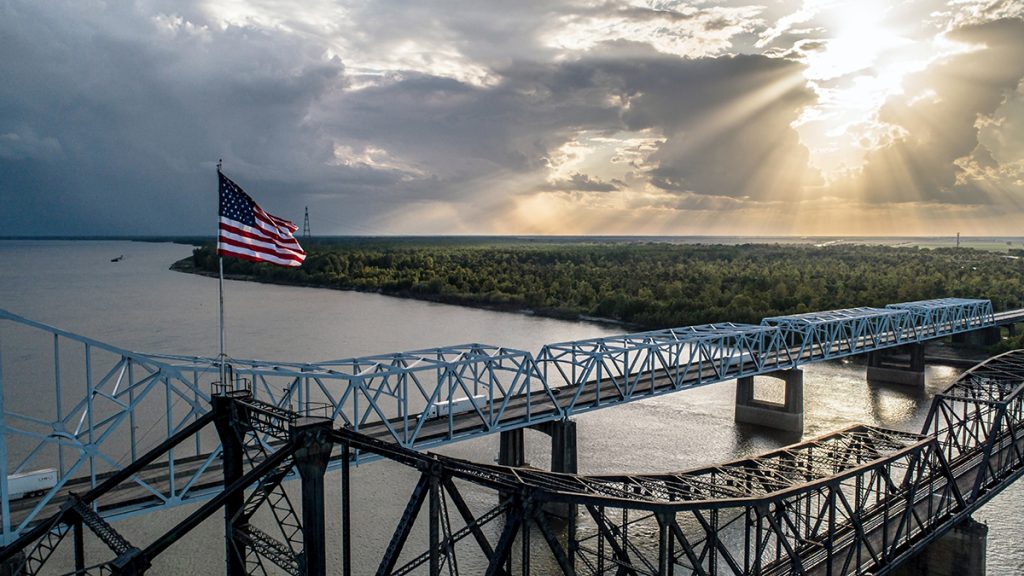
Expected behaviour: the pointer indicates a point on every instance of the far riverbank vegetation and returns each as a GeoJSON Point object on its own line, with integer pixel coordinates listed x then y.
{"type": "Point", "coordinates": [645, 285]}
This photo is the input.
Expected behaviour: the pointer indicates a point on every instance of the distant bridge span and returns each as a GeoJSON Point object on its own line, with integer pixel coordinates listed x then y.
{"type": "Point", "coordinates": [108, 406]}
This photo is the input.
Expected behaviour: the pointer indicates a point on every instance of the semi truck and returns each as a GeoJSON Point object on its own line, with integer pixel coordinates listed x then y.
{"type": "Point", "coordinates": [456, 406]}
{"type": "Point", "coordinates": [31, 483]}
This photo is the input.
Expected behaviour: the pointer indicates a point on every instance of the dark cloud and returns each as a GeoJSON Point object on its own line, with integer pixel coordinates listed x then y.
{"type": "Point", "coordinates": [112, 117]}
{"type": "Point", "coordinates": [728, 125]}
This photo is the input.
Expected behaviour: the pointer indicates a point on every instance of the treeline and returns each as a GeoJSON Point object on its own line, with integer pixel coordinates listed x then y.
{"type": "Point", "coordinates": [650, 285]}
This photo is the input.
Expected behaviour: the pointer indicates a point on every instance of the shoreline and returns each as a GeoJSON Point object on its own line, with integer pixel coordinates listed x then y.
{"type": "Point", "coordinates": [186, 266]}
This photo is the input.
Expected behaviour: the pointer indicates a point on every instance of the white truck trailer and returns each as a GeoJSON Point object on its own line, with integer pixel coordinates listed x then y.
{"type": "Point", "coordinates": [31, 483]}
{"type": "Point", "coordinates": [456, 406]}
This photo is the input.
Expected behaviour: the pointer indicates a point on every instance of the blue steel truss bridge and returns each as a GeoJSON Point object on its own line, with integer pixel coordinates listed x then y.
{"type": "Point", "coordinates": [129, 433]}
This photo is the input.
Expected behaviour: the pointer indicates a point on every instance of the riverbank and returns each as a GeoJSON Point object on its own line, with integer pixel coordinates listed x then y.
{"type": "Point", "coordinates": [640, 286]}
{"type": "Point", "coordinates": [187, 266]}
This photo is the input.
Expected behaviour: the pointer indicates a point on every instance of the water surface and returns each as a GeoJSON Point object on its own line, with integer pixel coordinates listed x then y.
{"type": "Point", "coordinates": [139, 304]}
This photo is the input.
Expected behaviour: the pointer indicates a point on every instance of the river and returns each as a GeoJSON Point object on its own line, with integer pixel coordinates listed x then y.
{"type": "Point", "coordinates": [139, 304]}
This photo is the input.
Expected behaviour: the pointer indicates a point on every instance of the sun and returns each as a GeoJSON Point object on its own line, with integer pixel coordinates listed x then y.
{"type": "Point", "coordinates": [859, 62]}
{"type": "Point", "coordinates": [859, 36]}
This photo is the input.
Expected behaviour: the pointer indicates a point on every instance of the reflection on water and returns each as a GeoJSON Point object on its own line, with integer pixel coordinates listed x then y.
{"type": "Point", "coordinates": [137, 303]}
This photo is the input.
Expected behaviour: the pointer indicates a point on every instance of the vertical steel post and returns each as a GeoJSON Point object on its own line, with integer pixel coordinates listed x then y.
{"type": "Point", "coordinates": [220, 286]}
{"type": "Point", "coordinates": [57, 398]}
{"type": "Point", "coordinates": [90, 397]}
{"type": "Point", "coordinates": [79, 545]}
{"type": "Point", "coordinates": [664, 545]}
{"type": "Point", "coordinates": [5, 500]}
{"type": "Point", "coordinates": [346, 507]}
{"type": "Point", "coordinates": [310, 436]}
{"type": "Point", "coordinates": [131, 412]}
{"type": "Point", "coordinates": [435, 524]}
{"type": "Point", "coordinates": [172, 487]}
{"type": "Point", "coordinates": [230, 429]}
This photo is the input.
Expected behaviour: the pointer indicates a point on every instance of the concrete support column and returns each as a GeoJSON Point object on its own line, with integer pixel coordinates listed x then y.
{"type": "Point", "coordinates": [512, 448]}
{"type": "Point", "coordinates": [981, 338]}
{"type": "Point", "coordinates": [311, 436]}
{"type": "Point", "coordinates": [512, 452]}
{"type": "Point", "coordinates": [885, 367]}
{"type": "Point", "coordinates": [563, 459]}
{"type": "Point", "coordinates": [788, 416]}
{"type": "Point", "coordinates": [987, 336]}
{"type": "Point", "coordinates": [959, 552]}
{"type": "Point", "coordinates": [563, 446]}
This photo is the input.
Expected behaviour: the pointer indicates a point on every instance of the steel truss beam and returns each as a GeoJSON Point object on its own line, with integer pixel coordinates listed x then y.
{"type": "Point", "coordinates": [91, 436]}
{"type": "Point", "coordinates": [857, 500]}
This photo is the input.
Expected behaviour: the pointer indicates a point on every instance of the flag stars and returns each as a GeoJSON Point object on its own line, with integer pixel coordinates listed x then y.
{"type": "Point", "coordinates": [248, 232]}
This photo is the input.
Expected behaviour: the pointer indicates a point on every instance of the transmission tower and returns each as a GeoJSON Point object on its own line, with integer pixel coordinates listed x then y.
{"type": "Point", "coordinates": [305, 225]}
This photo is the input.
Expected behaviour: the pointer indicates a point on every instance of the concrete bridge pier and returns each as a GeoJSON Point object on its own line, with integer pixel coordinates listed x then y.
{"type": "Point", "coordinates": [512, 452]}
{"type": "Point", "coordinates": [981, 338]}
{"type": "Point", "coordinates": [787, 416]}
{"type": "Point", "coordinates": [885, 367]}
{"type": "Point", "coordinates": [563, 459]}
{"type": "Point", "coordinates": [959, 552]}
{"type": "Point", "coordinates": [512, 448]}
{"type": "Point", "coordinates": [563, 445]}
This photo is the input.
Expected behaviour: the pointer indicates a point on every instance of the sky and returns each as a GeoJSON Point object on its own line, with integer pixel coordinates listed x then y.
{"type": "Point", "coordinates": [717, 117]}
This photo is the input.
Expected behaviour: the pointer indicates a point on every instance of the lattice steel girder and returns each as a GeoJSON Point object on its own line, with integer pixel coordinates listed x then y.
{"type": "Point", "coordinates": [838, 333]}
{"type": "Point", "coordinates": [106, 401]}
{"type": "Point", "coordinates": [402, 392]}
{"type": "Point", "coordinates": [984, 406]}
{"type": "Point", "coordinates": [102, 415]}
{"type": "Point", "coordinates": [944, 316]}
{"type": "Point", "coordinates": [830, 458]}
{"type": "Point", "coordinates": [850, 523]}
{"type": "Point", "coordinates": [614, 369]}
{"type": "Point", "coordinates": [106, 398]}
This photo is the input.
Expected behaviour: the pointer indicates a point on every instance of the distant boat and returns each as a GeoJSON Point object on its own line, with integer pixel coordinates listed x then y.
{"type": "Point", "coordinates": [118, 259]}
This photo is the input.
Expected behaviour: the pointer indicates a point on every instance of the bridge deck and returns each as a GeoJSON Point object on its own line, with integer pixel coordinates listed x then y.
{"type": "Point", "coordinates": [157, 477]}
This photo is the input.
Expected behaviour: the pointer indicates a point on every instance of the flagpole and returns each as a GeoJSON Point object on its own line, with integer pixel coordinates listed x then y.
{"type": "Point", "coordinates": [267, 238]}
{"type": "Point", "coordinates": [220, 286]}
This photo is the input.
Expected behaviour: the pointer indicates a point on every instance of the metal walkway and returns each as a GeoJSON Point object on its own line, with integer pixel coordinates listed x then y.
{"type": "Point", "coordinates": [856, 501]}
{"type": "Point", "coordinates": [103, 406]}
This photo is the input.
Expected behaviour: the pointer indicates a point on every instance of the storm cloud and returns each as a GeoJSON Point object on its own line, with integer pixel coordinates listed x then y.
{"type": "Point", "coordinates": [455, 117]}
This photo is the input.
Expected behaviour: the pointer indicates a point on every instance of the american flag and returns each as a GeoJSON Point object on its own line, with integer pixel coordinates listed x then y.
{"type": "Point", "coordinates": [247, 232]}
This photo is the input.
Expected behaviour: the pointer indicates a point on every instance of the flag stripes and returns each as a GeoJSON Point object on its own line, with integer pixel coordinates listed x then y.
{"type": "Point", "coordinates": [250, 233]}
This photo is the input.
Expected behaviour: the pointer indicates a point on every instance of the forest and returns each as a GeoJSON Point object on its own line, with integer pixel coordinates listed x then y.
{"type": "Point", "coordinates": [642, 284]}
